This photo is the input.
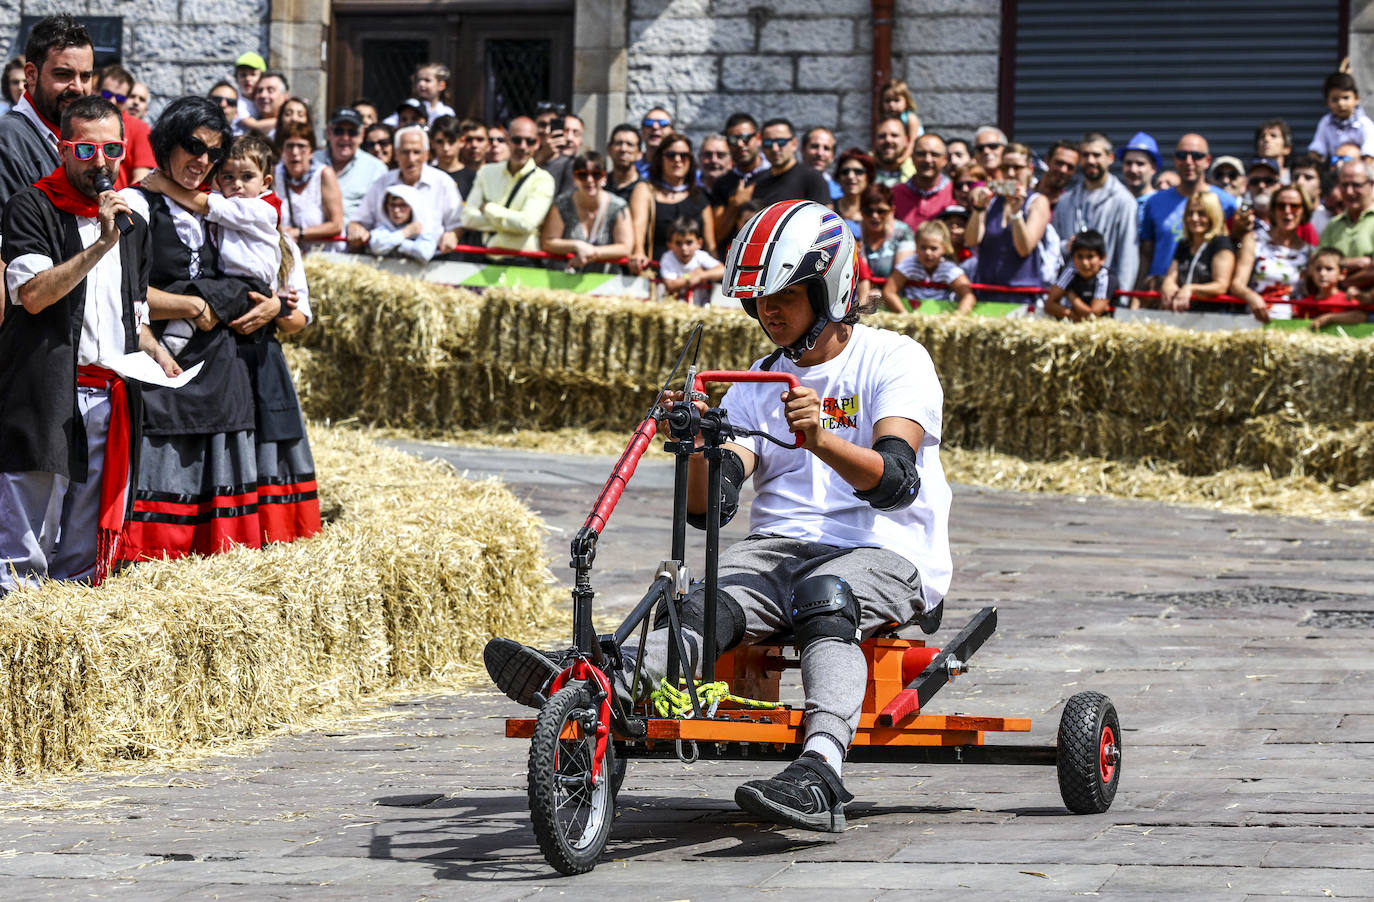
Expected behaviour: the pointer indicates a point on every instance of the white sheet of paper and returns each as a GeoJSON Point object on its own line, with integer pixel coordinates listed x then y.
{"type": "Point", "coordinates": [142, 368]}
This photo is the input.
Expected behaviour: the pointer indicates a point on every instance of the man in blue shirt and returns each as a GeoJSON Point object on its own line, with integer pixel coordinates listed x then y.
{"type": "Point", "coordinates": [1161, 225]}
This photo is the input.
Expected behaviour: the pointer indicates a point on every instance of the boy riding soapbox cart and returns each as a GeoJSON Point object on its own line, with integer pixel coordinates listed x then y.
{"type": "Point", "coordinates": [848, 544]}
{"type": "Point", "coordinates": [586, 731]}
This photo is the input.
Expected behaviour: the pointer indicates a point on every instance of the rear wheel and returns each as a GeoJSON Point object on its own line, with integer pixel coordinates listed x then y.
{"type": "Point", "coordinates": [571, 812]}
{"type": "Point", "coordinates": [1089, 753]}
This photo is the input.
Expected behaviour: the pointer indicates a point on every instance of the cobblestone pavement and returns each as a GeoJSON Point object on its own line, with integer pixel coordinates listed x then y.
{"type": "Point", "coordinates": [1235, 647]}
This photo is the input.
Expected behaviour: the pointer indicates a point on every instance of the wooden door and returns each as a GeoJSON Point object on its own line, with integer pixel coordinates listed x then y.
{"type": "Point", "coordinates": [501, 64]}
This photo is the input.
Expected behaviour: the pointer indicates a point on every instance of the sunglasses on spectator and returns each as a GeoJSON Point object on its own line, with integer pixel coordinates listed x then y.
{"type": "Point", "coordinates": [589, 173]}
{"type": "Point", "coordinates": [1193, 155]}
{"type": "Point", "coordinates": [991, 145]}
{"type": "Point", "coordinates": [656, 123]}
{"type": "Point", "coordinates": [965, 186]}
{"type": "Point", "coordinates": [853, 170]}
{"type": "Point", "coordinates": [344, 131]}
{"type": "Point", "coordinates": [370, 146]}
{"type": "Point", "coordinates": [772, 143]}
{"type": "Point", "coordinates": [523, 140]}
{"type": "Point", "coordinates": [877, 211]}
{"type": "Point", "coordinates": [85, 150]}
{"type": "Point", "coordinates": [1344, 158]}
{"type": "Point", "coordinates": [196, 147]}
{"type": "Point", "coordinates": [498, 139]}
{"type": "Point", "coordinates": [743, 138]}
{"type": "Point", "coordinates": [1228, 175]}
{"type": "Point", "coordinates": [224, 101]}
{"type": "Point", "coordinates": [676, 155]}
{"type": "Point", "coordinates": [112, 96]}
{"type": "Point", "coordinates": [1264, 181]}
{"type": "Point", "coordinates": [1287, 205]}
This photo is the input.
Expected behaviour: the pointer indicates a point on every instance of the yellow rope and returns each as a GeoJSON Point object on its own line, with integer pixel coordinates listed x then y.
{"type": "Point", "coordinates": [672, 701]}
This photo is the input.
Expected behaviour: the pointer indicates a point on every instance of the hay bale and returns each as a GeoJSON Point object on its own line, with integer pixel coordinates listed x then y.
{"type": "Point", "coordinates": [1287, 402]}
{"type": "Point", "coordinates": [416, 570]}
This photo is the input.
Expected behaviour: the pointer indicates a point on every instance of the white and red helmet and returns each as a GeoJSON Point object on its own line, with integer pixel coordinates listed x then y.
{"type": "Point", "coordinates": [790, 242]}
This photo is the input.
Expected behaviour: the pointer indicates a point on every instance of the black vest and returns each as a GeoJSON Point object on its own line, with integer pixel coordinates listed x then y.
{"type": "Point", "coordinates": [220, 398]}
{"type": "Point", "coordinates": [40, 428]}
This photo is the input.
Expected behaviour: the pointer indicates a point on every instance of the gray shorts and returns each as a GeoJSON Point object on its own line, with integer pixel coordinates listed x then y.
{"type": "Point", "coordinates": [761, 572]}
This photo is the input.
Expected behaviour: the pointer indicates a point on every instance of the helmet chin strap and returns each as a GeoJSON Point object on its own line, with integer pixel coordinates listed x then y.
{"type": "Point", "coordinates": [794, 352]}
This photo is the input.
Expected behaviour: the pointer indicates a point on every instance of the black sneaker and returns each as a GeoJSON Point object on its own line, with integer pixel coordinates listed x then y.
{"type": "Point", "coordinates": [807, 794]}
{"type": "Point", "coordinates": [523, 673]}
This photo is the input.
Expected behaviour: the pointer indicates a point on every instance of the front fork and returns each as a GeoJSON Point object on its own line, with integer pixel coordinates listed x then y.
{"type": "Point", "coordinates": [584, 671]}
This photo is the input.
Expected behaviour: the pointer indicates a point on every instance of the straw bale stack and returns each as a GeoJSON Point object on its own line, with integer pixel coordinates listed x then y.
{"type": "Point", "coordinates": [416, 569]}
{"type": "Point", "coordinates": [510, 359]}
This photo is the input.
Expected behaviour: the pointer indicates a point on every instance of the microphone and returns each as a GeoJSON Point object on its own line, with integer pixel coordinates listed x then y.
{"type": "Point", "coordinates": [123, 221]}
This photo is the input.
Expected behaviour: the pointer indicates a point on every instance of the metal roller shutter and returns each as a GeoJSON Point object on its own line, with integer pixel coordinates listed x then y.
{"type": "Point", "coordinates": [1215, 67]}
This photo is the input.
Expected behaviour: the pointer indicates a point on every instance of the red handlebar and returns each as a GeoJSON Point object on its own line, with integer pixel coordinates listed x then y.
{"type": "Point", "coordinates": [749, 376]}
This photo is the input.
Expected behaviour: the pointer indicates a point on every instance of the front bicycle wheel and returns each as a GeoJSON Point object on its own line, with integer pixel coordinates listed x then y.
{"type": "Point", "coordinates": [571, 811]}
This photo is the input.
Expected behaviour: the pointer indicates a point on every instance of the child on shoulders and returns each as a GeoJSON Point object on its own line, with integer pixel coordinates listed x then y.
{"type": "Point", "coordinates": [1346, 123]}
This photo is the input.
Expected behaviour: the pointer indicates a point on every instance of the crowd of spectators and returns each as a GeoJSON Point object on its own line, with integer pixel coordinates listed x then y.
{"type": "Point", "coordinates": [1011, 215]}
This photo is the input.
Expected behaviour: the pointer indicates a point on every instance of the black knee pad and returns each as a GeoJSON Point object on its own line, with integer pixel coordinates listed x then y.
{"type": "Point", "coordinates": [824, 607]}
{"type": "Point", "coordinates": [729, 619]}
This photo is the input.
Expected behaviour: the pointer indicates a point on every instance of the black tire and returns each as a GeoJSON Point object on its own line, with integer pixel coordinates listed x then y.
{"type": "Point", "coordinates": [572, 818]}
{"type": "Point", "coordinates": [1089, 753]}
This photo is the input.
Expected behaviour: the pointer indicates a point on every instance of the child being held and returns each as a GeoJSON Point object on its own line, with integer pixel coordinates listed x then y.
{"type": "Point", "coordinates": [897, 100]}
{"type": "Point", "coordinates": [932, 262]}
{"type": "Point", "coordinates": [1085, 288]}
{"type": "Point", "coordinates": [687, 270]}
{"type": "Point", "coordinates": [1347, 121]}
{"type": "Point", "coordinates": [409, 230]}
{"type": "Point", "coordinates": [251, 248]}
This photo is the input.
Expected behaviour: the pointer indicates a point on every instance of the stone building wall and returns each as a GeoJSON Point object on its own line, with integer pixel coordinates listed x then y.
{"type": "Point", "coordinates": [174, 46]}
{"type": "Point", "coordinates": [811, 61]}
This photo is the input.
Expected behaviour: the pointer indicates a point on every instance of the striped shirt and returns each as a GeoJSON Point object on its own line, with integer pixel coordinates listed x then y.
{"type": "Point", "coordinates": [945, 273]}
{"type": "Point", "coordinates": [1103, 285]}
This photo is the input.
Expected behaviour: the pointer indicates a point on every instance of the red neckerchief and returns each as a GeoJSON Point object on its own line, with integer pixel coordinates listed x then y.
{"type": "Point", "coordinates": [65, 196]}
{"type": "Point", "coordinates": [41, 118]}
{"type": "Point", "coordinates": [114, 477]}
{"type": "Point", "coordinates": [275, 200]}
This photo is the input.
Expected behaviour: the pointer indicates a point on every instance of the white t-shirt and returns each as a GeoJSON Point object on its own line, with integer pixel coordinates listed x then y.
{"type": "Point", "coordinates": [878, 374]}
{"type": "Point", "coordinates": [670, 267]}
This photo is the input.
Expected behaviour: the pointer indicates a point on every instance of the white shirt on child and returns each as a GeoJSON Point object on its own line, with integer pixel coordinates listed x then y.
{"type": "Point", "coordinates": [248, 239]}
{"type": "Point", "coordinates": [1332, 133]}
{"type": "Point", "coordinates": [670, 267]}
{"type": "Point", "coordinates": [878, 374]}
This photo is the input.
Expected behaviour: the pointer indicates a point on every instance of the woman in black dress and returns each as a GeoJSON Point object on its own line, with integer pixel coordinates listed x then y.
{"type": "Point", "coordinates": [670, 192]}
{"type": "Point", "coordinates": [197, 489]}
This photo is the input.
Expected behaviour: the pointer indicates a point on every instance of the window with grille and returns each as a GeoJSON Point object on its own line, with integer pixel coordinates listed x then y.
{"type": "Point", "coordinates": [517, 76]}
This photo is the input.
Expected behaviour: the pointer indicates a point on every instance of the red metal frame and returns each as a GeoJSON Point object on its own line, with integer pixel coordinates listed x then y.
{"type": "Point", "coordinates": [582, 671]}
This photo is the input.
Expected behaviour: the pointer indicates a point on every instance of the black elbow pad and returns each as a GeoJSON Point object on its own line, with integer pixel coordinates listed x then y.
{"type": "Point", "coordinates": [900, 482]}
{"type": "Point", "coordinates": [731, 478]}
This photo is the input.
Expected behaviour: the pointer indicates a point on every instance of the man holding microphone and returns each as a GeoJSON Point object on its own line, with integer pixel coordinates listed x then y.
{"type": "Point", "coordinates": [76, 291]}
